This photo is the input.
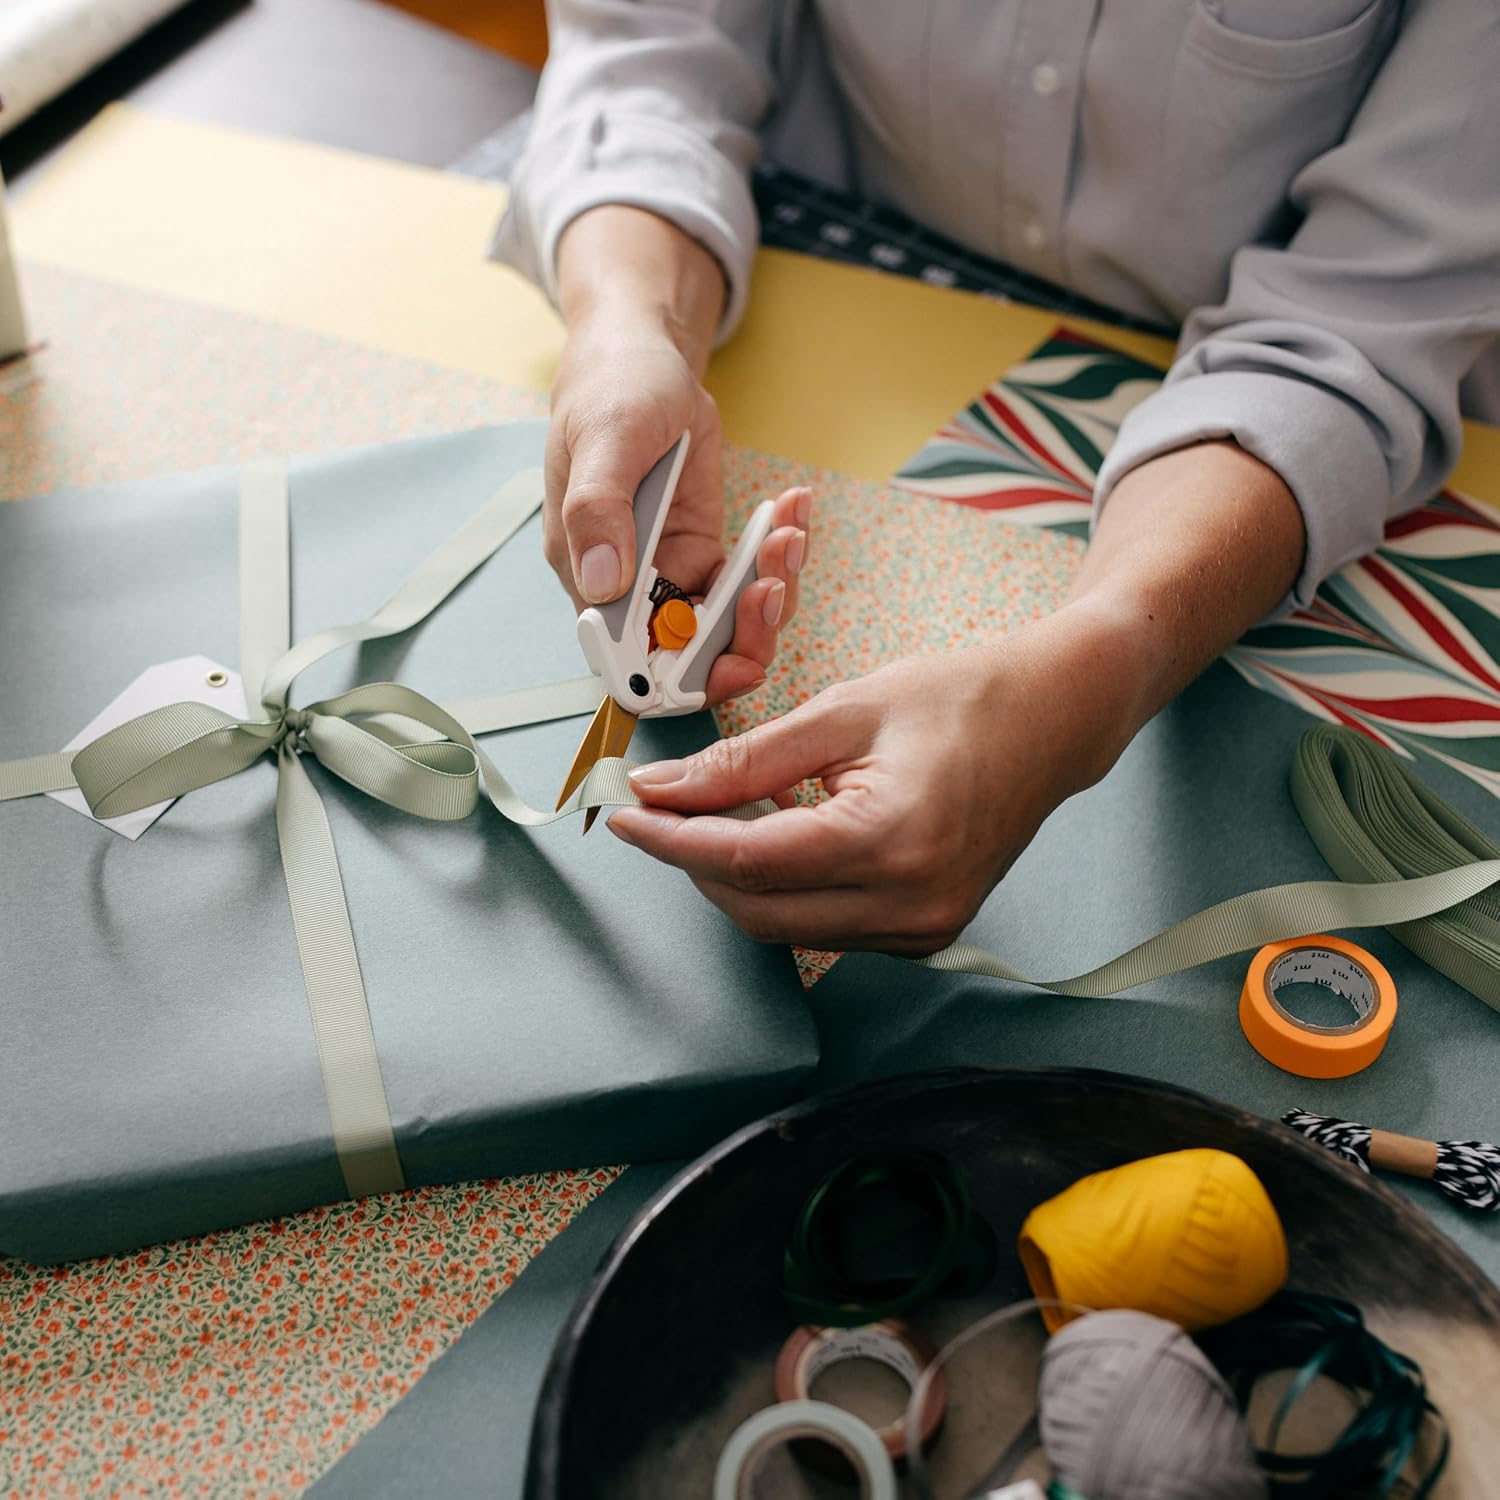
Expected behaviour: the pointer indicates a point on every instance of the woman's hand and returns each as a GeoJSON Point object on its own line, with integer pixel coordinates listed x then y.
{"type": "Point", "coordinates": [939, 771]}
{"type": "Point", "coordinates": [628, 386]}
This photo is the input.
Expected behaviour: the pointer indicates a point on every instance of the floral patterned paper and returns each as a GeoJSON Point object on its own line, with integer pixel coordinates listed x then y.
{"type": "Point", "coordinates": [243, 1363]}
{"type": "Point", "coordinates": [1402, 646]}
{"type": "Point", "coordinates": [128, 384]}
{"type": "Point", "coordinates": [891, 574]}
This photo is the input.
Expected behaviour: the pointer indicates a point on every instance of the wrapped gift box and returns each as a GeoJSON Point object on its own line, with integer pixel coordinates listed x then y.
{"type": "Point", "coordinates": [538, 1000]}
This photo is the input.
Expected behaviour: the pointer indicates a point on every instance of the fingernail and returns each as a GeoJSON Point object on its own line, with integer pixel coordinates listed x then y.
{"type": "Point", "coordinates": [599, 574]}
{"type": "Point", "coordinates": [804, 508]}
{"type": "Point", "coordinates": [796, 550]}
{"type": "Point", "coordinates": [775, 598]}
{"type": "Point", "coordinates": [658, 774]}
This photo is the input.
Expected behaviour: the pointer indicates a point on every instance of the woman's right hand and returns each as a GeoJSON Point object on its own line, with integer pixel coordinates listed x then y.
{"type": "Point", "coordinates": [623, 395]}
{"type": "Point", "coordinates": [626, 390]}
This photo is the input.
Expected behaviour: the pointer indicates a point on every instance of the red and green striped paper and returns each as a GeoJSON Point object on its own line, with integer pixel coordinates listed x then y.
{"type": "Point", "coordinates": [1401, 645]}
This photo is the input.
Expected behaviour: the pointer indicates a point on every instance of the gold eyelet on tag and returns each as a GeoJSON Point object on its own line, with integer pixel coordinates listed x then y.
{"type": "Point", "coordinates": [217, 678]}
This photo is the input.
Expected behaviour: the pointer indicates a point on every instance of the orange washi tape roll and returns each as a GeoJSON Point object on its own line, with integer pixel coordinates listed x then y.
{"type": "Point", "coordinates": [1298, 1046]}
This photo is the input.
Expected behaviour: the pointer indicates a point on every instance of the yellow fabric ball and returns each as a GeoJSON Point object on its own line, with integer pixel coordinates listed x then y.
{"type": "Point", "coordinates": [1190, 1236]}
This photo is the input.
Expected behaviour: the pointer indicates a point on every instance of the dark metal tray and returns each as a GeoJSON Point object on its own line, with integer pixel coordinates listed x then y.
{"type": "Point", "coordinates": [673, 1341]}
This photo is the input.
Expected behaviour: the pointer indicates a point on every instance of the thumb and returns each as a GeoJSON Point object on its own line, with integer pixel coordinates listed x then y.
{"type": "Point", "coordinates": [760, 763]}
{"type": "Point", "coordinates": [598, 516]}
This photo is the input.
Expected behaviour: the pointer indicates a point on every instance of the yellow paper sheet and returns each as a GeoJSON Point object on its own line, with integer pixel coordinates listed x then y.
{"type": "Point", "coordinates": [370, 251]}
{"type": "Point", "coordinates": [835, 366]}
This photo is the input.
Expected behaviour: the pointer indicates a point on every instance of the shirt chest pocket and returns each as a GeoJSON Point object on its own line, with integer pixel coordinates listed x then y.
{"type": "Point", "coordinates": [1260, 88]}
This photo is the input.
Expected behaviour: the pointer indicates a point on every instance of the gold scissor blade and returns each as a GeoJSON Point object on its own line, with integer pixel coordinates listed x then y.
{"type": "Point", "coordinates": [618, 728]}
{"type": "Point", "coordinates": [608, 734]}
{"type": "Point", "coordinates": [588, 751]}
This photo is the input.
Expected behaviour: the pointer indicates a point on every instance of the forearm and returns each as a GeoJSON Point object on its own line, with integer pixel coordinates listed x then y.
{"type": "Point", "coordinates": [627, 268]}
{"type": "Point", "coordinates": [1192, 549]}
{"type": "Point", "coordinates": [643, 301]}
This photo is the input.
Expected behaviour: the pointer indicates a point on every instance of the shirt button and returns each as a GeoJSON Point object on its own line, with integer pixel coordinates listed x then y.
{"type": "Point", "coordinates": [1034, 236]}
{"type": "Point", "coordinates": [1045, 79]}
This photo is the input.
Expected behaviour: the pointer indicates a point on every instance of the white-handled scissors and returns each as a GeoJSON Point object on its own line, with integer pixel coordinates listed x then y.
{"type": "Point", "coordinates": [653, 648]}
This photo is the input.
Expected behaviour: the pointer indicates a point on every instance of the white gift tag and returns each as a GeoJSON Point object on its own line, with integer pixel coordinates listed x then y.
{"type": "Point", "coordinates": [191, 679]}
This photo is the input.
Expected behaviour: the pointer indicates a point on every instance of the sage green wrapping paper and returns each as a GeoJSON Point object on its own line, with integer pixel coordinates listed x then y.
{"type": "Point", "coordinates": [539, 1000]}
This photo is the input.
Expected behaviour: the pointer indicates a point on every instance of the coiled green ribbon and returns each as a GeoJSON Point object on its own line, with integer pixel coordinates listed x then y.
{"type": "Point", "coordinates": [1316, 1336]}
{"type": "Point", "coordinates": [1373, 820]}
{"type": "Point", "coordinates": [880, 1235]}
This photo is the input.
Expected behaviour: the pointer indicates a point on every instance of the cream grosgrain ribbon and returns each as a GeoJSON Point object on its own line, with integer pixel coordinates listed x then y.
{"type": "Point", "coordinates": [391, 742]}
{"type": "Point", "coordinates": [1409, 862]}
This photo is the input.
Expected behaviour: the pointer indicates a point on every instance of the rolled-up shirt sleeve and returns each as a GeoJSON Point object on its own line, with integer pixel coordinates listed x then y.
{"type": "Point", "coordinates": [1336, 360]}
{"type": "Point", "coordinates": [655, 105]}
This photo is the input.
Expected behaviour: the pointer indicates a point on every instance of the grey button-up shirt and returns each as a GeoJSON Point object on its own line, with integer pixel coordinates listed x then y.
{"type": "Point", "coordinates": [1311, 187]}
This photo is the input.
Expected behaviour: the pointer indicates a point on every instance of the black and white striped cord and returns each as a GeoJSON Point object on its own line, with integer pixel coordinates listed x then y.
{"type": "Point", "coordinates": [1467, 1171]}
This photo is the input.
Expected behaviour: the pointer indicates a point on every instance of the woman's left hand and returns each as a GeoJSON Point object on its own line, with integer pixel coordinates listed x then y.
{"type": "Point", "coordinates": [939, 771]}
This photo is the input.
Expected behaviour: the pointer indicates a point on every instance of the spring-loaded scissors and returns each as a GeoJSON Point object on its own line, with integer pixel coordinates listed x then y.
{"type": "Point", "coordinates": [653, 647]}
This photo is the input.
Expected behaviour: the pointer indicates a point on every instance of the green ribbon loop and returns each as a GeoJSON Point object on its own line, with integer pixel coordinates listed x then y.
{"type": "Point", "coordinates": [166, 753]}
{"type": "Point", "coordinates": [1373, 820]}
{"type": "Point", "coordinates": [1312, 1338]}
{"type": "Point", "coordinates": [881, 1234]}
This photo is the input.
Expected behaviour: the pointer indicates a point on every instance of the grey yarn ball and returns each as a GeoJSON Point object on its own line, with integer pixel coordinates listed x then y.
{"type": "Point", "coordinates": [1131, 1409]}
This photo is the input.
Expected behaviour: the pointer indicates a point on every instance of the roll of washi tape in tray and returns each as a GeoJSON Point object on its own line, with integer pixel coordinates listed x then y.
{"type": "Point", "coordinates": [752, 1440]}
{"type": "Point", "coordinates": [1298, 1046]}
{"type": "Point", "coordinates": [893, 1343]}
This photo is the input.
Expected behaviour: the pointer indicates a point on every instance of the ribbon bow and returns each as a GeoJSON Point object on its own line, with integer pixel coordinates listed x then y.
{"type": "Point", "coordinates": [408, 752]}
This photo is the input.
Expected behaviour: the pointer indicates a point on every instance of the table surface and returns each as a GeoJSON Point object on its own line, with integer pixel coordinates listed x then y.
{"type": "Point", "coordinates": [836, 367]}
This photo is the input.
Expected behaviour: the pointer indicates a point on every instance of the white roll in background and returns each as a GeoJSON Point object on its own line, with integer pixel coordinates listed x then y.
{"type": "Point", "coordinates": [12, 319]}
{"type": "Point", "coordinates": [45, 45]}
